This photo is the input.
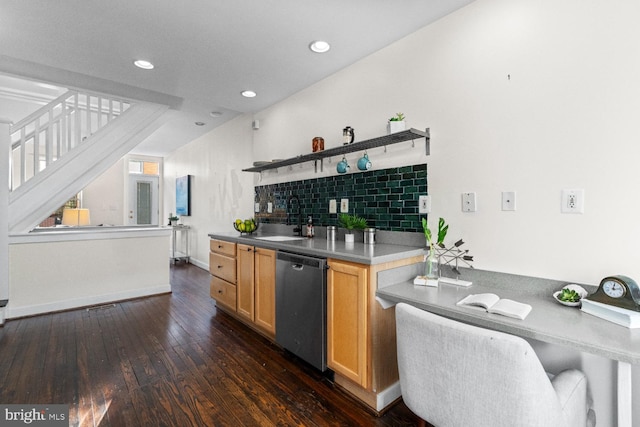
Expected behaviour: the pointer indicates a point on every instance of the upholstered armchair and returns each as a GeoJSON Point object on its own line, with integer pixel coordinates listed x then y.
{"type": "Point", "coordinates": [458, 375]}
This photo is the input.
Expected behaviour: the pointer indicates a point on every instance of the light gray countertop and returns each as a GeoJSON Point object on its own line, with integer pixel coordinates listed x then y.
{"type": "Point", "coordinates": [319, 246]}
{"type": "Point", "coordinates": [548, 321]}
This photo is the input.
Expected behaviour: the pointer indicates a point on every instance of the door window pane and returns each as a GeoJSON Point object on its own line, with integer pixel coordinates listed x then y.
{"type": "Point", "coordinates": [143, 201]}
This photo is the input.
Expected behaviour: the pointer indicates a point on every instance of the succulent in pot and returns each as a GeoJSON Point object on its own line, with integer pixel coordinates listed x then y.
{"type": "Point", "coordinates": [396, 123]}
{"type": "Point", "coordinates": [351, 222]}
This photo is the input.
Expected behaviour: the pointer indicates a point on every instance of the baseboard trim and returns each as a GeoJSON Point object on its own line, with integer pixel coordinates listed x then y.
{"type": "Point", "coordinates": [198, 263]}
{"type": "Point", "coordinates": [388, 396]}
{"type": "Point", "coordinates": [31, 310]}
{"type": "Point", "coordinates": [379, 402]}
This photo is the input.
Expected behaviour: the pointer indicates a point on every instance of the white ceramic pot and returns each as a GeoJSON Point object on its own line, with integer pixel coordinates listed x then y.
{"type": "Point", "coordinates": [348, 238]}
{"type": "Point", "coordinates": [394, 127]}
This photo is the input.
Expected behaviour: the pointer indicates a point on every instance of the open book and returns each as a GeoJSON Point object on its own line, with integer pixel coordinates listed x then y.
{"type": "Point", "coordinates": [493, 304]}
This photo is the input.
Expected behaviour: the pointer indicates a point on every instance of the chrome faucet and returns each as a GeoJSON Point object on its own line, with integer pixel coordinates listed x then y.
{"type": "Point", "coordinates": [297, 230]}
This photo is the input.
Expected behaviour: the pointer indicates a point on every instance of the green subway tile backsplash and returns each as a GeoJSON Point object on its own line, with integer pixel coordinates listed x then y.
{"type": "Point", "coordinates": [387, 198]}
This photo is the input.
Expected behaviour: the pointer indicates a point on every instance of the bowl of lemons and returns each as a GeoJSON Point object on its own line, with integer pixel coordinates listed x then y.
{"type": "Point", "coordinates": [247, 226]}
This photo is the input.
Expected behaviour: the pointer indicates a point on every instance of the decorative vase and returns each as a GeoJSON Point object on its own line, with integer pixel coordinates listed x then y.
{"type": "Point", "coordinates": [395, 126]}
{"type": "Point", "coordinates": [348, 238]}
{"type": "Point", "coordinates": [431, 268]}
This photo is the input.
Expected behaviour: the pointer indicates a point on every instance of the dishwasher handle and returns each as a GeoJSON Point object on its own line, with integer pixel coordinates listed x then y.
{"type": "Point", "coordinates": [301, 260]}
{"type": "Point", "coordinates": [298, 267]}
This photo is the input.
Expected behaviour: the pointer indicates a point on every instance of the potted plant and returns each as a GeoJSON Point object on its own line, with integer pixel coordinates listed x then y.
{"type": "Point", "coordinates": [431, 270]}
{"type": "Point", "coordinates": [173, 220]}
{"type": "Point", "coordinates": [396, 123]}
{"type": "Point", "coordinates": [351, 222]}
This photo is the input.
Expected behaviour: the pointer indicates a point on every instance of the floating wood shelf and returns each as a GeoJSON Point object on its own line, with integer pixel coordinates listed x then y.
{"type": "Point", "coordinates": [394, 138]}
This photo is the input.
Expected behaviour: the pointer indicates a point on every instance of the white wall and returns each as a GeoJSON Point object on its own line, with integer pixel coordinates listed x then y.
{"type": "Point", "coordinates": [220, 191]}
{"type": "Point", "coordinates": [520, 95]}
{"type": "Point", "coordinates": [566, 118]}
{"type": "Point", "coordinates": [105, 196]}
{"type": "Point", "coordinates": [52, 271]}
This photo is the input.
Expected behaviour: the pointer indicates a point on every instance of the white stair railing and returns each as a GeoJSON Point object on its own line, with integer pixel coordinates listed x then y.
{"type": "Point", "coordinates": [57, 128]}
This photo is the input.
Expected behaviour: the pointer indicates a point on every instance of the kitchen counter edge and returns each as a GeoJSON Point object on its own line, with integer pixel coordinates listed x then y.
{"type": "Point", "coordinates": [358, 252]}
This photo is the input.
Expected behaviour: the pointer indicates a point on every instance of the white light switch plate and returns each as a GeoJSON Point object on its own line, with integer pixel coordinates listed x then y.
{"type": "Point", "coordinates": [333, 206]}
{"type": "Point", "coordinates": [469, 202]}
{"type": "Point", "coordinates": [269, 207]}
{"type": "Point", "coordinates": [256, 207]}
{"type": "Point", "coordinates": [424, 204]}
{"type": "Point", "coordinates": [508, 200]}
{"type": "Point", "coordinates": [344, 205]}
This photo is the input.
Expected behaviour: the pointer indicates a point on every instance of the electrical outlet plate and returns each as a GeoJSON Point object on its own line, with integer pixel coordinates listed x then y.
{"type": "Point", "coordinates": [508, 200]}
{"type": "Point", "coordinates": [269, 207]}
{"type": "Point", "coordinates": [572, 201]}
{"type": "Point", "coordinates": [333, 206]}
{"type": "Point", "coordinates": [469, 202]}
{"type": "Point", "coordinates": [344, 205]}
{"type": "Point", "coordinates": [424, 204]}
{"type": "Point", "coordinates": [256, 207]}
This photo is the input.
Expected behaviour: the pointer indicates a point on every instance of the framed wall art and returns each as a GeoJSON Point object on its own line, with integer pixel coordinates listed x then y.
{"type": "Point", "coordinates": [183, 195]}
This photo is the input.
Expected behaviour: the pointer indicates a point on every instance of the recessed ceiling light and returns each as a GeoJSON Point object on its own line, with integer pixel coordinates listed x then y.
{"type": "Point", "coordinates": [248, 93]}
{"type": "Point", "coordinates": [215, 114]}
{"type": "Point", "coordinates": [319, 46]}
{"type": "Point", "coordinates": [200, 123]}
{"type": "Point", "coordinates": [145, 65]}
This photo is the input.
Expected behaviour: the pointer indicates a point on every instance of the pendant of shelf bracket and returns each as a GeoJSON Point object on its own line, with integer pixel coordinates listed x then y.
{"type": "Point", "coordinates": [427, 139]}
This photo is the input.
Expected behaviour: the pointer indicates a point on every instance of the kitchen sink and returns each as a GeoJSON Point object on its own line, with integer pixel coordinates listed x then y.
{"type": "Point", "coordinates": [280, 238]}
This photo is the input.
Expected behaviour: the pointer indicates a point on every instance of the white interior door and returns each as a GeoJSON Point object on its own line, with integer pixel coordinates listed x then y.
{"type": "Point", "coordinates": [143, 199]}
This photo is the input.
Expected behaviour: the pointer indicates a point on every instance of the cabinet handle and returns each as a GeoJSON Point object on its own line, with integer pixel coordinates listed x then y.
{"type": "Point", "coordinates": [219, 291]}
{"type": "Point", "coordinates": [219, 246]}
{"type": "Point", "coordinates": [249, 249]}
{"type": "Point", "coordinates": [219, 266]}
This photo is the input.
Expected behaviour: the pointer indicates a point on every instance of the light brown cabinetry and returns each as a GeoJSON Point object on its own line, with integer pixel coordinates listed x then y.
{"type": "Point", "coordinates": [361, 340]}
{"type": "Point", "coordinates": [361, 346]}
{"type": "Point", "coordinates": [245, 284]}
{"type": "Point", "coordinates": [222, 266]}
{"type": "Point", "coordinates": [265, 285]}
{"type": "Point", "coordinates": [347, 285]}
{"type": "Point", "coordinates": [256, 287]}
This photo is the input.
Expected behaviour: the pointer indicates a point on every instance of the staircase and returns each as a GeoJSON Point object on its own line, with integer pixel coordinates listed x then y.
{"type": "Point", "coordinates": [59, 149]}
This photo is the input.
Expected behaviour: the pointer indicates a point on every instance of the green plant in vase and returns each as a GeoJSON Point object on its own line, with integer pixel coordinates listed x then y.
{"type": "Point", "coordinates": [351, 222]}
{"type": "Point", "coordinates": [396, 123]}
{"type": "Point", "coordinates": [431, 265]}
{"type": "Point", "coordinates": [397, 118]}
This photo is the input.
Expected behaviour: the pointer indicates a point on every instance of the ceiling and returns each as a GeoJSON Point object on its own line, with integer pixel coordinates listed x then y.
{"type": "Point", "coordinates": [205, 52]}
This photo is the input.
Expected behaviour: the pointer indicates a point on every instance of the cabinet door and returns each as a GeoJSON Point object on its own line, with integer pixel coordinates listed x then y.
{"type": "Point", "coordinates": [265, 290]}
{"type": "Point", "coordinates": [346, 320]}
{"type": "Point", "coordinates": [244, 286]}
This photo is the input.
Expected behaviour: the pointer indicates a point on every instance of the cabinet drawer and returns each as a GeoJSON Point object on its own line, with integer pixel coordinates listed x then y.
{"type": "Point", "coordinates": [223, 292]}
{"type": "Point", "coordinates": [222, 247]}
{"type": "Point", "coordinates": [223, 267]}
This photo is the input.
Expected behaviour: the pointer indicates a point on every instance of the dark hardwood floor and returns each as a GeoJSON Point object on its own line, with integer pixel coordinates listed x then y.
{"type": "Point", "coordinates": [169, 360]}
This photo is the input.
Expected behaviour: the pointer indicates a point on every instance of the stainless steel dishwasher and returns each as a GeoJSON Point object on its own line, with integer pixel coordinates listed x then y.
{"type": "Point", "coordinates": [301, 307]}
